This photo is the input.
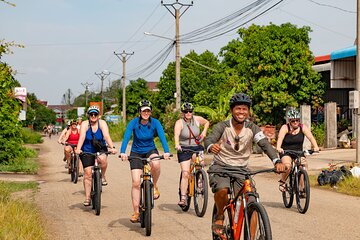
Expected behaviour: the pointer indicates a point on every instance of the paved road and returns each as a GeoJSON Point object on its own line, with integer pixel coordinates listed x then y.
{"type": "Point", "coordinates": [330, 216]}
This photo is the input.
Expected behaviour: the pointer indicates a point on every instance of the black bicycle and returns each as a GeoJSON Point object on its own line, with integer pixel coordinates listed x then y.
{"type": "Point", "coordinates": [96, 185]}
{"type": "Point", "coordinates": [73, 167]}
{"type": "Point", "coordinates": [198, 186]}
{"type": "Point", "coordinates": [146, 192]}
{"type": "Point", "coordinates": [297, 183]}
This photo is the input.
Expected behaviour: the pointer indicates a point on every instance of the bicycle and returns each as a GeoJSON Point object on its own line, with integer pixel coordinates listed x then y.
{"type": "Point", "coordinates": [73, 168]}
{"type": "Point", "coordinates": [198, 186]}
{"type": "Point", "coordinates": [146, 192]}
{"type": "Point", "coordinates": [293, 181]}
{"type": "Point", "coordinates": [96, 185]}
{"type": "Point", "coordinates": [240, 214]}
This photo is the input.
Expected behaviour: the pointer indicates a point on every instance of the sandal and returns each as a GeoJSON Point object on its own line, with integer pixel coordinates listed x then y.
{"type": "Point", "coordinates": [218, 229]}
{"type": "Point", "coordinates": [104, 182]}
{"type": "Point", "coordinates": [183, 201]}
{"type": "Point", "coordinates": [282, 186]}
{"type": "Point", "coordinates": [87, 202]}
{"type": "Point", "coordinates": [135, 218]}
{"type": "Point", "coordinates": [156, 193]}
{"type": "Point", "coordinates": [302, 194]}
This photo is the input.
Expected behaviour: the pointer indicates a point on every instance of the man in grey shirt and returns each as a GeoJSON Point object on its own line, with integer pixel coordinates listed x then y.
{"type": "Point", "coordinates": [231, 142]}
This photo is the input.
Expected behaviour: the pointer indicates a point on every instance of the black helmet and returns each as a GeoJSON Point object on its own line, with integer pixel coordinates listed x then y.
{"type": "Point", "coordinates": [73, 121]}
{"type": "Point", "coordinates": [238, 99]}
{"type": "Point", "coordinates": [187, 107]}
{"type": "Point", "coordinates": [146, 104]}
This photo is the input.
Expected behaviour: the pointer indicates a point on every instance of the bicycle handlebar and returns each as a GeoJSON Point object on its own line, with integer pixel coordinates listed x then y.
{"type": "Point", "coordinates": [146, 159]}
{"type": "Point", "coordinates": [95, 154]}
{"type": "Point", "coordinates": [300, 153]}
{"type": "Point", "coordinates": [186, 150]}
{"type": "Point", "coordinates": [232, 172]}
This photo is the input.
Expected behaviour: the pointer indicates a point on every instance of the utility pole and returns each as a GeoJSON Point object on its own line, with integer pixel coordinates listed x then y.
{"type": "Point", "coordinates": [123, 58]}
{"type": "Point", "coordinates": [176, 6]}
{"type": "Point", "coordinates": [86, 86]}
{"type": "Point", "coordinates": [357, 87]}
{"type": "Point", "coordinates": [102, 77]}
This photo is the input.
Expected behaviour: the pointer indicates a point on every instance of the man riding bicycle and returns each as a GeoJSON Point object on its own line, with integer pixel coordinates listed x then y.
{"type": "Point", "coordinates": [231, 141]}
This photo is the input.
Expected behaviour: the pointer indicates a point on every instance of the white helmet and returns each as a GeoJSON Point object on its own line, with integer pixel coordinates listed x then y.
{"type": "Point", "coordinates": [93, 109]}
{"type": "Point", "coordinates": [293, 113]}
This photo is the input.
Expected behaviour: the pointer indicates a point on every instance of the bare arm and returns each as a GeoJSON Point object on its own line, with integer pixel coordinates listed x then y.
{"type": "Point", "coordinates": [177, 130]}
{"type": "Point", "coordinates": [105, 131]}
{"type": "Point", "coordinates": [63, 132]}
{"type": "Point", "coordinates": [309, 135]}
{"type": "Point", "coordinates": [83, 129]}
{"type": "Point", "coordinates": [282, 133]}
{"type": "Point", "coordinates": [205, 123]}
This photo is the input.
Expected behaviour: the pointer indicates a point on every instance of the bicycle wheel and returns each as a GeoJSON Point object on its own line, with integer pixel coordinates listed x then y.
{"type": "Point", "coordinates": [76, 169]}
{"type": "Point", "coordinates": [147, 207]}
{"type": "Point", "coordinates": [201, 193]}
{"type": "Point", "coordinates": [259, 223]}
{"type": "Point", "coordinates": [288, 195]}
{"type": "Point", "coordinates": [227, 224]}
{"type": "Point", "coordinates": [185, 208]}
{"type": "Point", "coordinates": [72, 167]}
{"type": "Point", "coordinates": [97, 191]}
{"type": "Point", "coordinates": [302, 193]}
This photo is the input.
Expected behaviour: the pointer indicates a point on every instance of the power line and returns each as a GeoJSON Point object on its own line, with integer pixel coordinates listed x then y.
{"type": "Point", "coordinates": [331, 6]}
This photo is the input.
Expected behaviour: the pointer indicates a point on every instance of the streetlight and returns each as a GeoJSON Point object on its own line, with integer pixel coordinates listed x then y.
{"type": "Point", "coordinates": [102, 75]}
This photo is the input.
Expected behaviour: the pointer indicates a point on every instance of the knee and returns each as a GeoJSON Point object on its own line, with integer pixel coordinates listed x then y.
{"type": "Point", "coordinates": [185, 174]}
{"type": "Point", "coordinates": [222, 193]}
{"type": "Point", "coordinates": [136, 184]}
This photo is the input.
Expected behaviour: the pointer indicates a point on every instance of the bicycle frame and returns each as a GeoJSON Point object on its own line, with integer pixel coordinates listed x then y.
{"type": "Point", "coordinates": [193, 168]}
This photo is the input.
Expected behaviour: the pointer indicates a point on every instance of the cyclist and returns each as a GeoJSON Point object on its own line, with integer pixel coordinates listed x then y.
{"type": "Point", "coordinates": [231, 141]}
{"type": "Point", "coordinates": [291, 137]}
{"type": "Point", "coordinates": [187, 135]}
{"type": "Point", "coordinates": [144, 128]}
{"type": "Point", "coordinates": [93, 129]}
{"type": "Point", "coordinates": [72, 137]}
{"type": "Point", "coordinates": [61, 139]}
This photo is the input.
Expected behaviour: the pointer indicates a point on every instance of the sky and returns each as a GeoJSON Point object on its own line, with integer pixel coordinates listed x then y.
{"type": "Point", "coordinates": [67, 41]}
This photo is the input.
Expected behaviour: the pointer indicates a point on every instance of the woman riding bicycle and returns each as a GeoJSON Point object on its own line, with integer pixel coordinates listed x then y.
{"type": "Point", "coordinates": [231, 141]}
{"type": "Point", "coordinates": [93, 129]}
{"type": "Point", "coordinates": [187, 135]}
{"type": "Point", "coordinates": [144, 129]}
{"type": "Point", "coordinates": [291, 137]}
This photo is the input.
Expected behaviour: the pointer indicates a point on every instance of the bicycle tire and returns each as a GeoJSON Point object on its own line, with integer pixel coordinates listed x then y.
{"type": "Point", "coordinates": [263, 228]}
{"type": "Point", "coordinates": [97, 191]}
{"type": "Point", "coordinates": [76, 169]}
{"type": "Point", "coordinates": [228, 225]}
{"type": "Point", "coordinates": [141, 206]}
{"type": "Point", "coordinates": [185, 208]}
{"type": "Point", "coordinates": [71, 169]}
{"type": "Point", "coordinates": [302, 203]}
{"type": "Point", "coordinates": [288, 194]}
{"type": "Point", "coordinates": [147, 207]}
{"type": "Point", "coordinates": [201, 192]}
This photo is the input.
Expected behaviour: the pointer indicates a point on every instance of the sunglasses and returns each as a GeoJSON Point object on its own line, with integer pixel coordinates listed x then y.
{"type": "Point", "coordinates": [93, 114]}
{"type": "Point", "coordinates": [294, 120]}
{"type": "Point", "coordinates": [187, 111]}
{"type": "Point", "coordinates": [237, 143]}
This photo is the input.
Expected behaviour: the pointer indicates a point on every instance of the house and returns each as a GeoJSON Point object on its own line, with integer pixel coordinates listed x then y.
{"type": "Point", "coordinates": [153, 86]}
{"type": "Point", "coordinates": [60, 111]}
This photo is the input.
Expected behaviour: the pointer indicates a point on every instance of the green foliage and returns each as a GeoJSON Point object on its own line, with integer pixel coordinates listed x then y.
{"type": "Point", "coordinates": [10, 142]}
{"type": "Point", "coordinates": [37, 114]}
{"type": "Point", "coordinates": [72, 114]}
{"type": "Point", "coordinates": [168, 121]}
{"type": "Point", "coordinates": [274, 65]}
{"type": "Point", "coordinates": [29, 136]}
{"type": "Point", "coordinates": [318, 131]}
{"type": "Point", "coordinates": [117, 131]}
{"type": "Point", "coordinates": [25, 162]}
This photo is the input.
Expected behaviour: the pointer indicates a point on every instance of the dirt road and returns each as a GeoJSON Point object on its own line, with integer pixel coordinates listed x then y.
{"type": "Point", "coordinates": [330, 216]}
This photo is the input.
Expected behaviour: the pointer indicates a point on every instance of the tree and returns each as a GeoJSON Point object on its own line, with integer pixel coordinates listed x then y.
{"type": "Point", "coordinates": [37, 114]}
{"type": "Point", "coordinates": [10, 140]}
{"type": "Point", "coordinates": [274, 66]}
{"type": "Point", "coordinates": [68, 97]}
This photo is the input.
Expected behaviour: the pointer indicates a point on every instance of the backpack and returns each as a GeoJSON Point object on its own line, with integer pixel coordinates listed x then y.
{"type": "Point", "coordinates": [324, 177]}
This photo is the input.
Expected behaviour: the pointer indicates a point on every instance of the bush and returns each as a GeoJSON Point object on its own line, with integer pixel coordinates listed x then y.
{"type": "Point", "coordinates": [25, 162]}
{"type": "Point", "coordinates": [117, 131]}
{"type": "Point", "coordinates": [318, 130]}
{"type": "Point", "coordinates": [29, 136]}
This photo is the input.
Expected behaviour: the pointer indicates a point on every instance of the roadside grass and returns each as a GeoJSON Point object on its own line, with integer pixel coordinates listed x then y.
{"type": "Point", "coordinates": [29, 136]}
{"type": "Point", "coordinates": [117, 131]}
{"type": "Point", "coordinates": [349, 186]}
{"type": "Point", "coordinates": [19, 219]}
{"type": "Point", "coordinates": [25, 163]}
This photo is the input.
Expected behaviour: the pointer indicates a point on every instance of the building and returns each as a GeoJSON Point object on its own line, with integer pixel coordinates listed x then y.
{"type": "Point", "coordinates": [61, 112]}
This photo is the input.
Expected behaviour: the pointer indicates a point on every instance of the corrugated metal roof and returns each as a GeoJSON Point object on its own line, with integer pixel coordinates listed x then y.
{"type": "Point", "coordinates": [343, 53]}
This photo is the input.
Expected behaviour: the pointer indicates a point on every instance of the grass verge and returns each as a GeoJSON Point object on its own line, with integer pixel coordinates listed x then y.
{"type": "Point", "coordinates": [25, 163]}
{"type": "Point", "coordinates": [19, 219]}
{"type": "Point", "coordinates": [349, 186]}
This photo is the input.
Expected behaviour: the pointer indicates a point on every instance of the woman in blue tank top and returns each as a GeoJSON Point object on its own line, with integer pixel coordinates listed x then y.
{"type": "Point", "coordinates": [98, 129]}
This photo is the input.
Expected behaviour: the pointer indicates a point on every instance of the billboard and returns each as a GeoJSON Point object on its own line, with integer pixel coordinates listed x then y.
{"type": "Point", "coordinates": [20, 93]}
{"type": "Point", "coordinates": [98, 104]}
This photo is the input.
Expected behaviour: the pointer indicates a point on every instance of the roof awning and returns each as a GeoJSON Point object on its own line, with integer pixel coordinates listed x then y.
{"type": "Point", "coordinates": [343, 53]}
{"type": "Point", "coordinates": [322, 67]}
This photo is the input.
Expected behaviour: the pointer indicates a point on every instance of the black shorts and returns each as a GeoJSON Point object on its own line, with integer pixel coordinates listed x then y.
{"type": "Point", "coordinates": [138, 164]}
{"type": "Point", "coordinates": [185, 156]}
{"type": "Point", "coordinates": [89, 160]}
